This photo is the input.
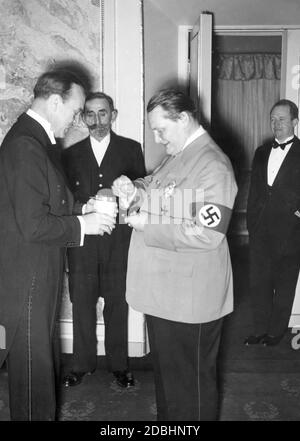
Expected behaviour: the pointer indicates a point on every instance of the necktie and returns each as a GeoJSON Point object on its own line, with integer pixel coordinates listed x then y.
{"type": "Point", "coordinates": [276, 144]}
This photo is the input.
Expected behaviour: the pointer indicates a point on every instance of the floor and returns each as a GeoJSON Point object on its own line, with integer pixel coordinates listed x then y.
{"type": "Point", "coordinates": [256, 383]}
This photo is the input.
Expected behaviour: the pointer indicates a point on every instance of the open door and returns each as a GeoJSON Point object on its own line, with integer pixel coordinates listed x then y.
{"type": "Point", "coordinates": [291, 90]}
{"type": "Point", "coordinates": [200, 65]}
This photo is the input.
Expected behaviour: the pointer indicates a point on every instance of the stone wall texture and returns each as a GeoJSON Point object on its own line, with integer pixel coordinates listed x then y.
{"type": "Point", "coordinates": [34, 35]}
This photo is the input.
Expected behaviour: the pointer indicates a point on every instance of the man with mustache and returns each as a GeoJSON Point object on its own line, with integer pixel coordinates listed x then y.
{"type": "Point", "coordinates": [99, 268]}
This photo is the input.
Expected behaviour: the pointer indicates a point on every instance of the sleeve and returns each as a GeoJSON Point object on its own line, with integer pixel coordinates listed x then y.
{"type": "Point", "coordinates": [141, 185]}
{"type": "Point", "coordinates": [137, 166]}
{"type": "Point", "coordinates": [29, 191]}
{"type": "Point", "coordinates": [253, 198]}
{"type": "Point", "coordinates": [69, 170]}
{"type": "Point", "coordinates": [71, 175]}
{"type": "Point", "coordinates": [218, 187]}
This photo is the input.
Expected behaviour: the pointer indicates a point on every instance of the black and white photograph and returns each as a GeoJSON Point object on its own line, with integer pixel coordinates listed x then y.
{"type": "Point", "coordinates": [149, 214]}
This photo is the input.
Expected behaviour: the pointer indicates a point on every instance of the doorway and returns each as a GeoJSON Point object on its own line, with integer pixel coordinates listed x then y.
{"type": "Point", "coordinates": [246, 80]}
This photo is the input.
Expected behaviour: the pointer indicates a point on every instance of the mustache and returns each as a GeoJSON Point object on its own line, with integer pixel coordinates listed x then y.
{"type": "Point", "coordinates": [98, 127]}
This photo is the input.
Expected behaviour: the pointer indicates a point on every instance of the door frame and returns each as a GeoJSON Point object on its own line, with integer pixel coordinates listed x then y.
{"type": "Point", "coordinates": [183, 38]}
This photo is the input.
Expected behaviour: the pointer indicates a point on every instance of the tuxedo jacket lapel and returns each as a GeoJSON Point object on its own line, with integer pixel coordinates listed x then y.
{"type": "Point", "coordinates": [264, 165]}
{"type": "Point", "coordinates": [288, 164]}
{"type": "Point", "coordinates": [89, 154]}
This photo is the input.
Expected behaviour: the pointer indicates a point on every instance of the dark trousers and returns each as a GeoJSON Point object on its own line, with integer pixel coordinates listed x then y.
{"type": "Point", "coordinates": [273, 281]}
{"type": "Point", "coordinates": [184, 359]}
{"type": "Point", "coordinates": [33, 360]}
{"type": "Point", "coordinates": [107, 280]}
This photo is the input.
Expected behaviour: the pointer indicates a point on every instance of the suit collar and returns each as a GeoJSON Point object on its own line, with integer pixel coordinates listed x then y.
{"type": "Point", "coordinates": [30, 127]}
{"type": "Point", "coordinates": [33, 129]}
{"type": "Point", "coordinates": [44, 123]}
{"type": "Point", "coordinates": [89, 154]}
{"type": "Point", "coordinates": [289, 162]}
{"type": "Point", "coordinates": [285, 166]}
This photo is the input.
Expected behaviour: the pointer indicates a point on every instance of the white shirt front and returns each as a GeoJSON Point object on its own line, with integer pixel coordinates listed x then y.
{"type": "Point", "coordinates": [276, 159]}
{"type": "Point", "coordinates": [100, 147]}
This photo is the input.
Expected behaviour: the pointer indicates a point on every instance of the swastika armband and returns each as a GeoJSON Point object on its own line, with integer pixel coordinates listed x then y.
{"type": "Point", "coordinates": [212, 215]}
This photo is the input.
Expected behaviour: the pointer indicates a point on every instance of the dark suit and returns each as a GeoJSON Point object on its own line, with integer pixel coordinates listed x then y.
{"type": "Point", "coordinates": [99, 267]}
{"type": "Point", "coordinates": [35, 228]}
{"type": "Point", "coordinates": [274, 232]}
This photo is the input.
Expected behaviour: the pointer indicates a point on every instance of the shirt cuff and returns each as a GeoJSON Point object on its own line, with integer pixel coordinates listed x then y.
{"type": "Point", "coordinates": [82, 225]}
{"type": "Point", "coordinates": [83, 209]}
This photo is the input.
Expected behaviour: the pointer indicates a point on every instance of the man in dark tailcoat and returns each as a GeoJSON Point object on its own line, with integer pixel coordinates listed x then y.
{"type": "Point", "coordinates": [36, 225]}
{"type": "Point", "coordinates": [99, 267]}
{"type": "Point", "coordinates": [274, 227]}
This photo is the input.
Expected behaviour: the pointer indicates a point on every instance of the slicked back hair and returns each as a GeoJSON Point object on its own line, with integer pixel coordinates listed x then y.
{"type": "Point", "coordinates": [56, 82]}
{"type": "Point", "coordinates": [174, 102]}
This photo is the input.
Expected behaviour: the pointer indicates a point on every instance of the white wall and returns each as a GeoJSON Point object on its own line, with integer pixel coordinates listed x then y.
{"type": "Point", "coordinates": [232, 12]}
{"type": "Point", "coordinates": [123, 69]}
{"type": "Point", "coordinates": [160, 37]}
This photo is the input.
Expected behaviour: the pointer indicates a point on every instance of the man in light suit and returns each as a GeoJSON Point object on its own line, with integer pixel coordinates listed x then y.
{"type": "Point", "coordinates": [99, 267]}
{"type": "Point", "coordinates": [36, 226]}
{"type": "Point", "coordinates": [179, 269]}
{"type": "Point", "coordinates": [274, 227]}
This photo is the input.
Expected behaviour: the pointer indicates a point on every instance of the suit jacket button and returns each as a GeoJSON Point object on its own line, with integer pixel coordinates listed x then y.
{"type": "Point", "coordinates": [101, 175]}
{"type": "Point", "coordinates": [100, 185]}
{"type": "Point", "coordinates": [63, 201]}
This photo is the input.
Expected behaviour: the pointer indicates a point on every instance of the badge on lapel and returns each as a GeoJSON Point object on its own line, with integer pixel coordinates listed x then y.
{"type": "Point", "coordinates": [168, 191]}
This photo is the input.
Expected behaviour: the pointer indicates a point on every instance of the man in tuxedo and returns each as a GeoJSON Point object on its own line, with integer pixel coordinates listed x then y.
{"type": "Point", "coordinates": [36, 226]}
{"type": "Point", "coordinates": [274, 227]}
{"type": "Point", "coordinates": [99, 267]}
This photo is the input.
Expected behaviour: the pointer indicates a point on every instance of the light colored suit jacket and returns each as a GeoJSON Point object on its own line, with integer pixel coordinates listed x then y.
{"type": "Point", "coordinates": [179, 269]}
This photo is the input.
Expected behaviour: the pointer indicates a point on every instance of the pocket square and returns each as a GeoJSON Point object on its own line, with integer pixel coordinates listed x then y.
{"type": "Point", "coordinates": [297, 213]}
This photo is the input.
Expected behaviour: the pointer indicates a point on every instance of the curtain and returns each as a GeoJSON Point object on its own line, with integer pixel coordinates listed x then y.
{"type": "Point", "coordinates": [247, 86]}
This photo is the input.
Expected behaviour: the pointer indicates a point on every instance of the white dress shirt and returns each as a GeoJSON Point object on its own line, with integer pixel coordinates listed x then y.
{"type": "Point", "coordinates": [47, 127]}
{"type": "Point", "coordinates": [100, 147]}
{"type": "Point", "coordinates": [276, 159]}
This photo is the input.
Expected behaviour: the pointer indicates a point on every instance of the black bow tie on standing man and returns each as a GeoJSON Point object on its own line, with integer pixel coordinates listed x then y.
{"type": "Point", "coordinates": [283, 145]}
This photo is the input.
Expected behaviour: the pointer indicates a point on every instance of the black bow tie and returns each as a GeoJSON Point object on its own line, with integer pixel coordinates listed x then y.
{"type": "Point", "coordinates": [276, 144]}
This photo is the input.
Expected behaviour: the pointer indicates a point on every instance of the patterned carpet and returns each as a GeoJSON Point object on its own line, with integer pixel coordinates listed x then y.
{"type": "Point", "coordinates": [256, 383]}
